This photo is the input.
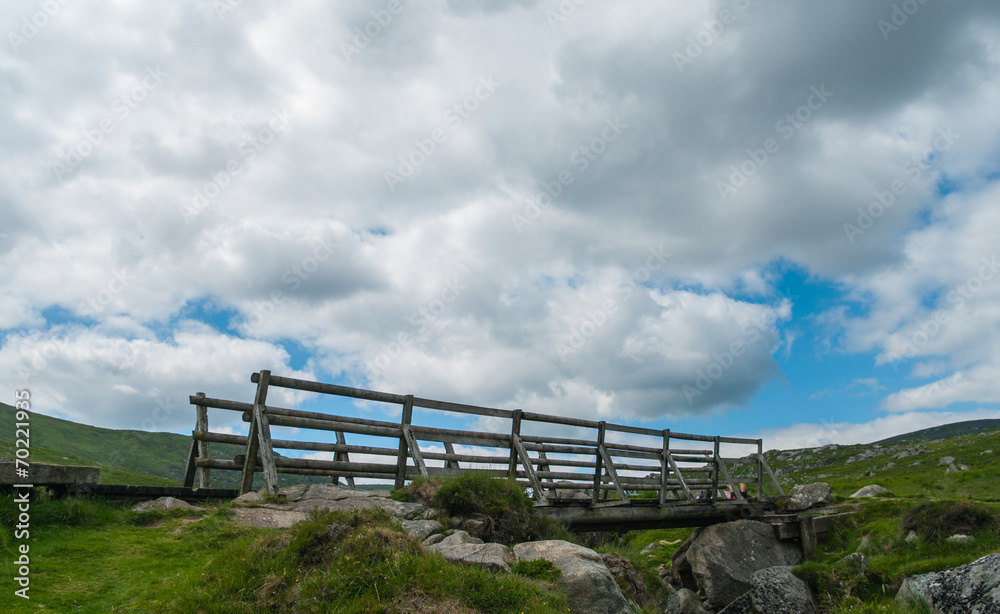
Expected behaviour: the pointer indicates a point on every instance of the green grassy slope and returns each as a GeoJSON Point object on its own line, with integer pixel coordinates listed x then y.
{"type": "Point", "coordinates": [125, 457]}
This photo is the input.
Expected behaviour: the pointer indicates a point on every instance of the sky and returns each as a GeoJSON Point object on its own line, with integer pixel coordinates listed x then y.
{"type": "Point", "coordinates": [744, 217]}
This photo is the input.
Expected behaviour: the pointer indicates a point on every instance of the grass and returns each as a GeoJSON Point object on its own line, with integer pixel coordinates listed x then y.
{"type": "Point", "coordinates": [90, 556]}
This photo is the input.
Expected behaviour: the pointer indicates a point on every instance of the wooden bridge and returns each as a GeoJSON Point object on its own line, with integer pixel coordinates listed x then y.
{"type": "Point", "coordinates": [582, 472]}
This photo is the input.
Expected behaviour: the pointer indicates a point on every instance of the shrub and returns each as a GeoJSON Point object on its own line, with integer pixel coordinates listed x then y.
{"type": "Point", "coordinates": [940, 519]}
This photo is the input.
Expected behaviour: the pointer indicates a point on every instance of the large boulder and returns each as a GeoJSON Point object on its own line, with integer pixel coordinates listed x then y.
{"type": "Point", "coordinates": [685, 601]}
{"type": "Point", "coordinates": [872, 490]}
{"type": "Point", "coordinates": [973, 588]}
{"type": "Point", "coordinates": [589, 585]}
{"type": "Point", "coordinates": [773, 591]}
{"type": "Point", "coordinates": [718, 561]}
{"type": "Point", "coordinates": [804, 496]}
{"type": "Point", "coordinates": [460, 547]}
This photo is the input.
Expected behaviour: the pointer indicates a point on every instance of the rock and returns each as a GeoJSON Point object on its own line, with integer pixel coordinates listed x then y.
{"type": "Point", "coordinates": [267, 518]}
{"type": "Point", "coordinates": [952, 469]}
{"type": "Point", "coordinates": [587, 581]}
{"type": "Point", "coordinates": [473, 526]}
{"type": "Point", "coordinates": [872, 490]}
{"type": "Point", "coordinates": [719, 560]}
{"type": "Point", "coordinates": [865, 544]}
{"type": "Point", "coordinates": [856, 561]}
{"type": "Point", "coordinates": [253, 497]}
{"type": "Point", "coordinates": [627, 578]}
{"type": "Point", "coordinates": [649, 548]}
{"type": "Point", "coordinates": [805, 496]}
{"type": "Point", "coordinates": [165, 503]}
{"type": "Point", "coordinates": [986, 452]}
{"type": "Point", "coordinates": [420, 529]}
{"type": "Point", "coordinates": [911, 537]}
{"type": "Point", "coordinates": [774, 590]}
{"type": "Point", "coordinates": [915, 463]}
{"type": "Point", "coordinates": [958, 538]}
{"type": "Point", "coordinates": [973, 588]}
{"type": "Point", "coordinates": [964, 468]}
{"type": "Point", "coordinates": [563, 490]}
{"type": "Point", "coordinates": [460, 537]}
{"type": "Point", "coordinates": [685, 601]}
{"type": "Point", "coordinates": [434, 539]}
{"type": "Point", "coordinates": [946, 460]}
{"type": "Point", "coordinates": [495, 557]}
{"type": "Point", "coordinates": [332, 497]}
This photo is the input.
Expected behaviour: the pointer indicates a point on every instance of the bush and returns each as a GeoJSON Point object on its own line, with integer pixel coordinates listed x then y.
{"type": "Point", "coordinates": [940, 519]}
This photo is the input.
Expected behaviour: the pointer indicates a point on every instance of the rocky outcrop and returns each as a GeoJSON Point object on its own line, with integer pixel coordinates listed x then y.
{"type": "Point", "coordinates": [872, 490]}
{"type": "Point", "coordinates": [805, 496]}
{"type": "Point", "coordinates": [685, 601]}
{"type": "Point", "coordinates": [420, 529]}
{"type": "Point", "coordinates": [773, 591]}
{"type": "Point", "coordinates": [330, 497]}
{"type": "Point", "coordinates": [718, 561]}
{"type": "Point", "coordinates": [589, 585]}
{"type": "Point", "coordinates": [973, 588]}
{"type": "Point", "coordinates": [460, 547]}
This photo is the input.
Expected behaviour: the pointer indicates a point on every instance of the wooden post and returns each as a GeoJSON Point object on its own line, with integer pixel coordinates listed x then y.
{"type": "Point", "coordinates": [401, 459]}
{"type": "Point", "coordinates": [190, 466]}
{"type": "Point", "coordinates": [204, 473]}
{"type": "Point", "coordinates": [664, 466]}
{"type": "Point", "coordinates": [760, 469]}
{"type": "Point", "coordinates": [259, 442]}
{"type": "Point", "coordinates": [450, 449]}
{"type": "Point", "coordinates": [595, 497]}
{"type": "Point", "coordinates": [342, 456]}
{"type": "Point", "coordinates": [515, 431]}
{"type": "Point", "coordinates": [715, 474]}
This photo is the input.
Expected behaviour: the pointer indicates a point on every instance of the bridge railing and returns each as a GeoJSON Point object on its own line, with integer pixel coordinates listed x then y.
{"type": "Point", "coordinates": [598, 461]}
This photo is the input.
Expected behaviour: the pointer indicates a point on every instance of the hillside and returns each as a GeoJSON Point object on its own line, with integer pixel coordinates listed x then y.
{"type": "Point", "coordinates": [125, 456]}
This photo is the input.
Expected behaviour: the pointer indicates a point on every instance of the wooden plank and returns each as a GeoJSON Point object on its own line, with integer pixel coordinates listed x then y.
{"type": "Point", "coordinates": [663, 466]}
{"type": "Point", "coordinates": [343, 391]}
{"type": "Point", "coordinates": [450, 459]}
{"type": "Point", "coordinates": [411, 443]}
{"type": "Point", "coordinates": [515, 430]}
{"type": "Point", "coordinates": [402, 455]}
{"type": "Point", "coordinates": [612, 472]}
{"type": "Point", "coordinates": [729, 478]}
{"type": "Point", "coordinates": [597, 464]}
{"type": "Point", "coordinates": [342, 455]}
{"type": "Point", "coordinates": [191, 465]}
{"type": "Point", "coordinates": [201, 424]}
{"type": "Point", "coordinates": [763, 461]}
{"type": "Point", "coordinates": [253, 442]}
{"type": "Point", "coordinates": [461, 408]}
{"type": "Point", "coordinates": [679, 476]}
{"type": "Point", "coordinates": [328, 425]}
{"type": "Point", "coordinates": [266, 451]}
{"type": "Point", "coordinates": [760, 468]}
{"type": "Point", "coordinates": [536, 486]}
{"type": "Point", "coordinates": [715, 474]}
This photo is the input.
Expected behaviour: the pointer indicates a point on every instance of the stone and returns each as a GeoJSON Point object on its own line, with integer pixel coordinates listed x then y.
{"type": "Point", "coordinates": [872, 490]}
{"type": "Point", "coordinates": [165, 503]}
{"type": "Point", "coordinates": [986, 452]}
{"type": "Point", "coordinates": [420, 529]}
{"type": "Point", "coordinates": [685, 601]}
{"type": "Point", "coordinates": [473, 526]}
{"type": "Point", "coordinates": [461, 537]}
{"type": "Point", "coordinates": [563, 490]}
{"type": "Point", "coordinates": [495, 557]}
{"type": "Point", "coordinates": [946, 460]}
{"type": "Point", "coordinates": [267, 518]}
{"type": "Point", "coordinates": [649, 548]}
{"type": "Point", "coordinates": [865, 544]}
{"type": "Point", "coordinates": [774, 590]}
{"type": "Point", "coordinates": [911, 537]}
{"type": "Point", "coordinates": [395, 508]}
{"type": "Point", "coordinates": [857, 561]}
{"type": "Point", "coordinates": [960, 539]}
{"type": "Point", "coordinates": [964, 468]}
{"type": "Point", "coordinates": [718, 561]}
{"type": "Point", "coordinates": [952, 469]}
{"type": "Point", "coordinates": [805, 496]}
{"type": "Point", "coordinates": [973, 588]}
{"type": "Point", "coordinates": [588, 583]}
{"type": "Point", "coordinates": [434, 539]}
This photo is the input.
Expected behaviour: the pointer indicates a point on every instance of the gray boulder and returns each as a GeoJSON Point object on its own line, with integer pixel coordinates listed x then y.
{"type": "Point", "coordinates": [805, 496]}
{"type": "Point", "coordinates": [718, 561]}
{"type": "Point", "coordinates": [973, 588]}
{"type": "Point", "coordinates": [773, 591]}
{"type": "Point", "coordinates": [872, 490]}
{"type": "Point", "coordinates": [460, 547]}
{"type": "Point", "coordinates": [267, 518]}
{"type": "Point", "coordinates": [685, 601]}
{"type": "Point", "coordinates": [165, 503]}
{"type": "Point", "coordinates": [589, 585]}
{"type": "Point", "coordinates": [420, 529]}
{"type": "Point", "coordinates": [946, 460]}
